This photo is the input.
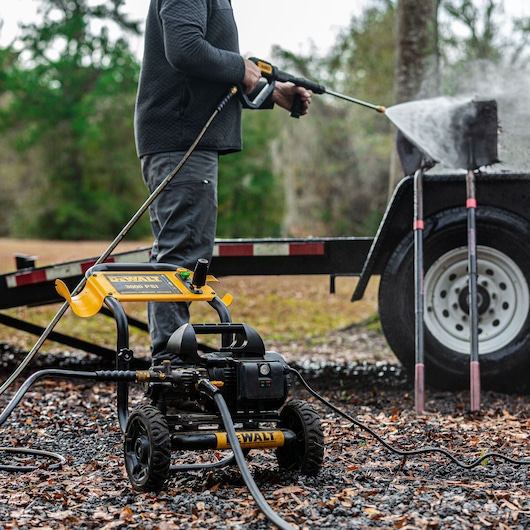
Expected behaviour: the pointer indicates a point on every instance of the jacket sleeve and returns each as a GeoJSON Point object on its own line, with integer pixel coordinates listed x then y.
{"type": "Point", "coordinates": [200, 39]}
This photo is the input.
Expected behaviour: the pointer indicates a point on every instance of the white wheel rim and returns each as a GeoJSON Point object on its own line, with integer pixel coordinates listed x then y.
{"type": "Point", "coordinates": [502, 298]}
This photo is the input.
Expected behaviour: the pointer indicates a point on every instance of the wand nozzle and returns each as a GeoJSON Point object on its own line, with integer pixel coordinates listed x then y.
{"type": "Point", "coordinates": [272, 73]}
{"type": "Point", "coordinates": [378, 108]}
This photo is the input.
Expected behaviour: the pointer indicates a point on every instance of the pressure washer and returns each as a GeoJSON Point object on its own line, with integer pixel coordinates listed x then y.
{"type": "Point", "coordinates": [228, 398]}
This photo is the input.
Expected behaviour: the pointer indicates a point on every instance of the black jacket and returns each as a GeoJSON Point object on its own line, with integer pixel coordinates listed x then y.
{"type": "Point", "coordinates": [191, 59]}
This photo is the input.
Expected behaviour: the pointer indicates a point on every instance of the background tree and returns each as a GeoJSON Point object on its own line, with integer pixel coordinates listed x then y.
{"type": "Point", "coordinates": [335, 165]}
{"type": "Point", "coordinates": [68, 105]}
{"type": "Point", "coordinates": [416, 62]}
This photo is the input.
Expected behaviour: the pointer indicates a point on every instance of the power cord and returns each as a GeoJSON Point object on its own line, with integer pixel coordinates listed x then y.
{"type": "Point", "coordinates": [401, 452]}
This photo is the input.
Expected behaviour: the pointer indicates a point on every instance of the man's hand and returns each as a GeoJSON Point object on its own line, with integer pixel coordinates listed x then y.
{"type": "Point", "coordinates": [252, 76]}
{"type": "Point", "coordinates": [284, 93]}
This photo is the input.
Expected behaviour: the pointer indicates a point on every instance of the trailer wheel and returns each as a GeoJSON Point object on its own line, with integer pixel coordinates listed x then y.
{"type": "Point", "coordinates": [307, 452]}
{"type": "Point", "coordinates": [147, 449]}
{"type": "Point", "coordinates": [503, 266]}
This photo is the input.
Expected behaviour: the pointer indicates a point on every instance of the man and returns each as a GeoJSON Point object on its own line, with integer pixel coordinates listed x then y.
{"type": "Point", "coordinates": [191, 59]}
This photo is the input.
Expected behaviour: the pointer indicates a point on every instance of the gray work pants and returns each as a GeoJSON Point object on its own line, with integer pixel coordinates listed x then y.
{"type": "Point", "coordinates": [183, 221]}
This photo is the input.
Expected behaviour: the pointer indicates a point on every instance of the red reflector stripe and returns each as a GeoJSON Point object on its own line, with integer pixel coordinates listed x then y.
{"type": "Point", "coordinates": [87, 264]}
{"type": "Point", "coordinates": [235, 250]}
{"type": "Point", "coordinates": [27, 278]}
{"type": "Point", "coordinates": [269, 249]}
{"type": "Point", "coordinates": [306, 249]}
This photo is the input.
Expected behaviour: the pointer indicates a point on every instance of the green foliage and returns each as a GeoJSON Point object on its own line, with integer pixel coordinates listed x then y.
{"type": "Point", "coordinates": [250, 195]}
{"type": "Point", "coordinates": [68, 166]}
{"type": "Point", "coordinates": [339, 176]}
{"type": "Point", "coordinates": [69, 96]}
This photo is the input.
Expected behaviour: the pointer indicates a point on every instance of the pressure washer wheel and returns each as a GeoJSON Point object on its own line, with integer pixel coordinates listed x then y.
{"type": "Point", "coordinates": [147, 448]}
{"type": "Point", "coordinates": [307, 452]}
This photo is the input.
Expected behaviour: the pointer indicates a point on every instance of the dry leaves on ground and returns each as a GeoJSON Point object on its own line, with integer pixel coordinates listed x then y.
{"type": "Point", "coordinates": [361, 484]}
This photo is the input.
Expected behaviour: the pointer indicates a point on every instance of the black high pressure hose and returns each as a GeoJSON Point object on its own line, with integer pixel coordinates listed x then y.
{"type": "Point", "coordinates": [122, 375]}
{"type": "Point", "coordinates": [15, 400]}
{"type": "Point", "coordinates": [212, 391]}
{"type": "Point", "coordinates": [103, 375]}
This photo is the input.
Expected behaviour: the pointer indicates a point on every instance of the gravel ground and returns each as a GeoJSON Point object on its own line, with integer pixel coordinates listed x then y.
{"type": "Point", "coordinates": [361, 484]}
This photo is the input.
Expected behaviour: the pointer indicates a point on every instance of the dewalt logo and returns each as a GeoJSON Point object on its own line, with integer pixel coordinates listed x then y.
{"type": "Point", "coordinates": [252, 439]}
{"type": "Point", "coordinates": [133, 279]}
{"type": "Point", "coordinates": [143, 284]}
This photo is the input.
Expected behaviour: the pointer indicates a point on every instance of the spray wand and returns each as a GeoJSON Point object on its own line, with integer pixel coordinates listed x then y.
{"type": "Point", "coordinates": [272, 74]}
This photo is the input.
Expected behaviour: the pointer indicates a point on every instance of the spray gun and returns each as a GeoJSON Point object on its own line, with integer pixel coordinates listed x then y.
{"type": "Point", "coordinates": [272, 74]}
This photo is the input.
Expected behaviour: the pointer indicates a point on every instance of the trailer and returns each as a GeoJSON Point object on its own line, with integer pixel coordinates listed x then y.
{"type": "Point", "coordinates": [503, 277]}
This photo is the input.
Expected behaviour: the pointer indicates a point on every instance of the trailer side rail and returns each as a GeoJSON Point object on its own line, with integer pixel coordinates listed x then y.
{"type": "Point", "coordinates": [34, 286]}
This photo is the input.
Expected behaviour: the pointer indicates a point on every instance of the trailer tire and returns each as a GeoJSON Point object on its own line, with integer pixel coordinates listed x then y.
{"type": "Point", "coordinates": [307, 452]}
{"type": "Point", "coordinates": [147, 449]}
{"type": "Point", "coordinates": [503, 264]}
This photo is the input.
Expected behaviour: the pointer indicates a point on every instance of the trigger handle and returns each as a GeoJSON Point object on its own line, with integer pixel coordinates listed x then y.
{"type": "Point", "coordinates": [296, 108]}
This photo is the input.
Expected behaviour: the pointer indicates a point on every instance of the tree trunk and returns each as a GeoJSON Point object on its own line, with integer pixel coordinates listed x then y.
{"type": "Point", "coordinates": [417, 61]}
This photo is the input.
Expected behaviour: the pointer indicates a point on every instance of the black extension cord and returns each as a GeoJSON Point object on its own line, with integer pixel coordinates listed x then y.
{"type": "Point", "coordinates": [401, 452]}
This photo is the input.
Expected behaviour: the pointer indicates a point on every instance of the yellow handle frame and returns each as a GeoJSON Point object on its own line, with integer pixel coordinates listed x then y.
{"type": "Point", "coordinates": [137, 286]}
